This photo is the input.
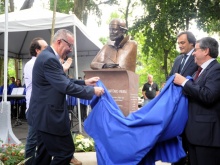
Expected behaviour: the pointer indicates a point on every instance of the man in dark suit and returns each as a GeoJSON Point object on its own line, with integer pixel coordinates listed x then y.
{"type": "Point", "coordinates": [184, 63]}
{"type": "Point", "coordinates": [48, 112]}
{"type": "Point", "coordinates": [186, 66]}
{"type": "Point", "coordinates": [203, 125]}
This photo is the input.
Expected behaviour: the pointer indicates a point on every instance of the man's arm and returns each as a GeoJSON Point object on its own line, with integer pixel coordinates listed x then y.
{"type": "Point", "coordinates": [157, 90]}
{"type": "Point", "coordinates": [143, 93]}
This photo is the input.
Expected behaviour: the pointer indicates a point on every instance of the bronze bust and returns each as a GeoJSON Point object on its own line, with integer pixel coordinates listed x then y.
{"type": "Point", "coordinates": [120, 52]}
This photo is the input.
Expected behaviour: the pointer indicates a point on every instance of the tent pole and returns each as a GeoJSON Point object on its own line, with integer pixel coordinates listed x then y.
{"type": "Point", "coordinates": [6, 134]}
{"type": "Point", "coordinates": [76, 69]}
{"type": "Point", "coordinates": [5, 89]}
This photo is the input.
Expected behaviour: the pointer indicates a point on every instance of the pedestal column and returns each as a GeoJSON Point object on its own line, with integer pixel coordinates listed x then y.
{"type": "Point", "coordinates": [122, 85]}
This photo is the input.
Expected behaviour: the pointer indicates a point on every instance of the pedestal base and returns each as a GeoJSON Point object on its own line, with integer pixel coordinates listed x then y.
{"type": "Point", "coordinates": [122, 85]}
{"type": "Point", "coordinates": [6, 133]}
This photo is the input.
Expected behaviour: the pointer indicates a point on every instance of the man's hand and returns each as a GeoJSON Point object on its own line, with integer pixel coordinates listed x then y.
{"type": "Point", "coordinates": [179, 79]}
{"type": "Point", "coordinates": [99, 91]}
{"type": "Point", "coordinates": [110, 66]}
{"type": "Point", "coordinates": [67, 64]}
{"type": "Point", "coordinates": [92, 81]}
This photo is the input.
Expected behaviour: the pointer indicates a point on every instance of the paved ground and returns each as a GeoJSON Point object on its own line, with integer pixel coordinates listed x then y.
{"type": "Point", "coordinates": [87, 158]}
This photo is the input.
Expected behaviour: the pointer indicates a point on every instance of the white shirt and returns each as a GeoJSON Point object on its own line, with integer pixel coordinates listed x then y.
{"type": "Point", "coordinates": [203, 66]}
{"type": "Point", "coordinates": [188, 55]}
{"type": "Point", "coordinates": [28, 79]}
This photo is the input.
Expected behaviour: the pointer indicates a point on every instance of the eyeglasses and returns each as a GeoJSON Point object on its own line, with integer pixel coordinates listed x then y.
{"type": "Point", "coordinates": [197, 49]}
{"type": "Point", "coordinates": [70, 45]}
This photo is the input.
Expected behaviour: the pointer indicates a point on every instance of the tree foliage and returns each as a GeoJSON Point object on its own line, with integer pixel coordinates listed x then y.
{"type": "Point", "coordinates": [208, 17]}
{"type": "Point", "coordinates": [81, 8]}
{"type": "Point", "coordinates": [63, 6]}
{"type": "Point", "coordinates": [158, 27]}
{"type": "Point", "coordinates": [155, 31]}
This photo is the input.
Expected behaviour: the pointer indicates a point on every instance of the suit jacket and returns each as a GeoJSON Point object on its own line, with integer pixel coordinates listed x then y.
{"type": "Point", "coordinates": [48, 106]}
{"type": "Point", "coordinates": [189, 68]}
{"type": "Point", "coordinates": [203, 125]}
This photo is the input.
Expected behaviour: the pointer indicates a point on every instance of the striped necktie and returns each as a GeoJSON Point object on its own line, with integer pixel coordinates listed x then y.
{"type": "Point", "coordinates": [182, 63]}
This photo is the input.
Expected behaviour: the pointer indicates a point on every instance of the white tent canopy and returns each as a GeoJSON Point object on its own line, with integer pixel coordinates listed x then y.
{"type": "Point", "coordinates": [27, 24]}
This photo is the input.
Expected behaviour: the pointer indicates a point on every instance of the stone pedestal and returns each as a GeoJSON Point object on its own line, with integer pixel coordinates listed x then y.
{"type": "Point", "coordinates": [121, 84]}
{"type": "Point", "coordinates": [6, 133]}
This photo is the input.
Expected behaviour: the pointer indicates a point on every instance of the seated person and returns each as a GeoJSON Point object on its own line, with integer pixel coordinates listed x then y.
{"type": "Point", "coordinates": [121, 52]}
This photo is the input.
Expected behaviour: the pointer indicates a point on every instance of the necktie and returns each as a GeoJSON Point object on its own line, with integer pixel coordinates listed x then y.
{"type": "Point", "coordinates": [197, 72]}
{"type": "Point", "coordinates": [182, 62]}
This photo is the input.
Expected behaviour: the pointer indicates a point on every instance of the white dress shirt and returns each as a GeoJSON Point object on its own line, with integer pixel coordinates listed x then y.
{"type": "Point", "coordinates": [28, 79]}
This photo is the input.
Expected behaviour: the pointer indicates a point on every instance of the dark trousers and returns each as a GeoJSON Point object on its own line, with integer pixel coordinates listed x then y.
{"type": "Point", "coordinates": [83, 109]}
{"type": "Point", "coordinates": [61, 148]}
{"type": "Point", "coordinates": [30, 147]}
{"type": "Point", "coordinates": [201, 155]}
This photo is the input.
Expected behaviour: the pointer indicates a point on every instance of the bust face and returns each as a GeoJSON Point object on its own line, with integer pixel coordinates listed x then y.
{"type": "Point", "coordinates": [115, 31]}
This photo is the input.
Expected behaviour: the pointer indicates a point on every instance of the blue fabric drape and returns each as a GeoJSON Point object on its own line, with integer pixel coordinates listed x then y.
{"type": "Point", "coordinates": [143, 137]}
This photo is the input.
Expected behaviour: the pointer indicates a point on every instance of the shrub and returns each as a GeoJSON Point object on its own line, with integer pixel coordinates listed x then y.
{"type": "Point", "coordinates": [82, 143]}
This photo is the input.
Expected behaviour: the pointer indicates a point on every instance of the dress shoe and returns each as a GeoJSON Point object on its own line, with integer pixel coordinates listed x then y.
{"type": "Point", "coordinates": [75, 161]}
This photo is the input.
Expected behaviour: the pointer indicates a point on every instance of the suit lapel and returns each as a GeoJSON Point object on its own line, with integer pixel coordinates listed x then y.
{"type": "Point", "coordinates": [188, 62]}
{"type": "Point", "coordinates": [178, 63]}
{"type": "Point", "coordinates": [204, 73]}
{"type": "Point", "coordinates": [50, 50]}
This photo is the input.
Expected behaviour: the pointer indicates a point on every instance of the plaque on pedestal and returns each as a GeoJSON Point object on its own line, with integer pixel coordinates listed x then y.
{"type": "Point", "coordinates": [121, 84]}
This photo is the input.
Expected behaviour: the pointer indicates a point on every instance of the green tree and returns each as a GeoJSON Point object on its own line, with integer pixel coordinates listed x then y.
{"type": "Point", "coordinates": [82, 8]}
{"type": "Point", "coordinates": [158, 28]}
{"type": "Point", "coordinates": [208, 17]}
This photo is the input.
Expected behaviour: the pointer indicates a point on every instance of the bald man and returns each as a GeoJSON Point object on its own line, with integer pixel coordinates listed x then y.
{"type": "Point", "coordinates": [120, 52]}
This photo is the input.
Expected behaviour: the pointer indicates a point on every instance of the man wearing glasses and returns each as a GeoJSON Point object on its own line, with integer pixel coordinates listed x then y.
{"type": "Point", "coordinates": [48, 112]}
{"type": "Point", "coordinates": [203, 125]}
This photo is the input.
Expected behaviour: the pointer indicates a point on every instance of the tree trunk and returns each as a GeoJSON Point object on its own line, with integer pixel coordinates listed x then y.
{"type": "Point", "coordinates": [166, 53]}
{"type": "Point", "coordinates": [27, 4]}
{"type": "Point", "coordinates": [53, 21]}
{"type": "Point", "coordinates": [79, 7]}
{"type": "Point", "coordinates": [12, 7]}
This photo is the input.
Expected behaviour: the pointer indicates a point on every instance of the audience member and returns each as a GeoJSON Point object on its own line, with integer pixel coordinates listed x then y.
{"type": "Point", "coordinates": [37, 45]}
{"type": "Point", "coordinates": [18, 83]}
{"type": "Point", "coordinates": [150, 90]}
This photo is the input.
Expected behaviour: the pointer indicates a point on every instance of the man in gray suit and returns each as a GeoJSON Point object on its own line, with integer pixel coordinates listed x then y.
{"type": "Point", "coordinates": [48, 112]}
{"type": "Point", "coordinates": [203, 125]}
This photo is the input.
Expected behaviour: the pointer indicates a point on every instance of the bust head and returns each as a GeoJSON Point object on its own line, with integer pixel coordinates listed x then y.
{"type": "Point", "coordinates": [117, 28]}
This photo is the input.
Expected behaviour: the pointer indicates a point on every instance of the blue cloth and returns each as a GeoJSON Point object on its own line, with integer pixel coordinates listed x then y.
{"type": "Point", "coordinates": [147, 135]}
{"type": "Point", "coordinates": [85, 102]}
